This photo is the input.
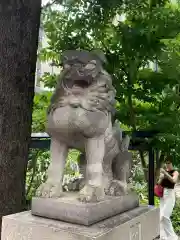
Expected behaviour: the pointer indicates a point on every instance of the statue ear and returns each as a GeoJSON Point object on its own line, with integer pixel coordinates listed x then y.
{"type": "Point", "coordinates": [64, 57]}
{"type": "Point", "coordinates": [98, 53]}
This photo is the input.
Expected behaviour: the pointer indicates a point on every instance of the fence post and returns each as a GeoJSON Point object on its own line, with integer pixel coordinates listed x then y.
{"type": "Point", "coordinates": [151, 177]}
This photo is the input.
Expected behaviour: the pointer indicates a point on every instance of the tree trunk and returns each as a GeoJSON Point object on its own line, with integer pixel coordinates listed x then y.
{"type": "Point", "coordinates": [159, 162]}
{"type": "Point", "coordinates": [132, 74]}
{"type": "Point", "coordinates": [144, 165]}
{"type": "Point", "coordinates": [19, 27]}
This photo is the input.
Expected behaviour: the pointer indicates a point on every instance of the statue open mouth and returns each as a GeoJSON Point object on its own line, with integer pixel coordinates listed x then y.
{"type": "Point", "coordinates": [77, 85]}
{"type": "Point", "coordinates": [80, 84]}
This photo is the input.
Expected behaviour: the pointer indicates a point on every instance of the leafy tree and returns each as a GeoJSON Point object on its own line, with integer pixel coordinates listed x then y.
{"type": "Point", "coordinates": [19, 26]}
{"type": "Point", "coordinates": [41, 103]}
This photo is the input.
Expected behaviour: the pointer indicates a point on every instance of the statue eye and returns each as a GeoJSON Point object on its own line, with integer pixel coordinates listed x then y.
{"type": "Point", "coordinates": [93, 61]}
{"type": "Point", "coordinates": [90, 66]}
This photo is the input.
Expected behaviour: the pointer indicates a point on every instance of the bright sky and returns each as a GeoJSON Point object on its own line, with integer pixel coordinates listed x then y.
{"type": "Point", "coordinates": [44, 2]}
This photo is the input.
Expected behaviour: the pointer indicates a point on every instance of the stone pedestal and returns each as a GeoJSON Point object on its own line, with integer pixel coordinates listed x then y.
{"type": "Point", "coordinates": [141, 223]}
{"type": "Point", "coordinates": [69, 209]}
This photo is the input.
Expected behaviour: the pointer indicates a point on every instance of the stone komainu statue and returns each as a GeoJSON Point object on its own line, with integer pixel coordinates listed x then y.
{"type": "Point", "coordinates": [79, 117]}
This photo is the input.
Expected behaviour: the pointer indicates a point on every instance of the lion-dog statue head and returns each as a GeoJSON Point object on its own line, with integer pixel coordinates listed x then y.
{"type": "Point", "coordinates": [84, 83]}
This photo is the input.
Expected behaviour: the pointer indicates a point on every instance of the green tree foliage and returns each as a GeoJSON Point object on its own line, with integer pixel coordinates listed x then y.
{"type": "Point", "coordinates": [176, 217]}
{"type": "Point", "coordinates": [41, 103]}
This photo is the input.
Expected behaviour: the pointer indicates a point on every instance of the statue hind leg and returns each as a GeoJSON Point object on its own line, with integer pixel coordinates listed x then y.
{"type": "Point", "coordinates": [121, 168]}
{"type": "Point", "coordinates": [121, 172]}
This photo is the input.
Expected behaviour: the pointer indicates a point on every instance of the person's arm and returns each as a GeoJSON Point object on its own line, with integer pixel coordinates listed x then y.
{"type": "Point", "coordinates": [173, 178]}
{"type": "Point", "coordinates": [161, 177]}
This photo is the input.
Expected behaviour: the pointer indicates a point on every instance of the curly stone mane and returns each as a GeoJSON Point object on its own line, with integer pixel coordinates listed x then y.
{"type": "Point", "coordinates": [84, 83]}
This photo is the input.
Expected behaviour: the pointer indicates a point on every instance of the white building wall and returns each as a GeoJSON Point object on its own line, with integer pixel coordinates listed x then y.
{"type": "Point", "coordinates": [42, 67]}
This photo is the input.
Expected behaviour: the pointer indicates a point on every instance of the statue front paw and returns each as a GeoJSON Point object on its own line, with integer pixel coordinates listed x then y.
{"type": "Point", "coordinates": [117, 188]}
{"type": "Point", "coordinates": [49, 190]}
{"type": "Point", "coordinates": [91, 193]}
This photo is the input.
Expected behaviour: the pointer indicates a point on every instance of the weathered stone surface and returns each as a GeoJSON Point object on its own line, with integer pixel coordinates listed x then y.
{"type": "Point", "coordinates": [69, 209]}
{"type": "Point", "coordinates": [141, 223]}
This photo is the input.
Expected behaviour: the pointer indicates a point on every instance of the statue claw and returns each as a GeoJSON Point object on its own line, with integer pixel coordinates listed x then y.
{"type": "Point", "coordinates": [91, 194]}
{"type": "Point", "coordinates": [49, 190]}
